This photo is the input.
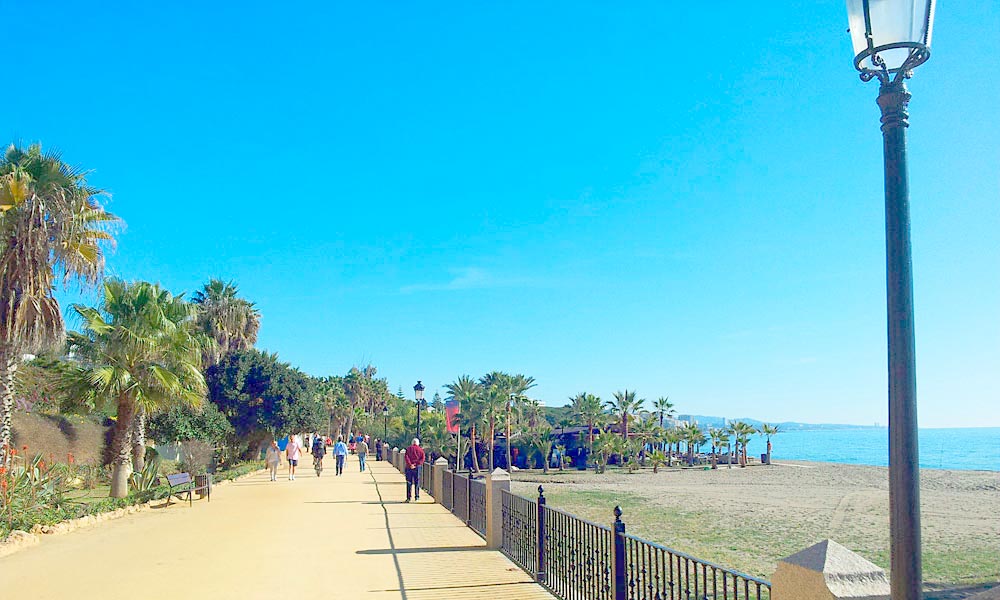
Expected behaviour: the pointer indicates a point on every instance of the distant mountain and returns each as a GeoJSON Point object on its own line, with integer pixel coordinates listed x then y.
{"type": "Point", "coordinates": [708, 421]}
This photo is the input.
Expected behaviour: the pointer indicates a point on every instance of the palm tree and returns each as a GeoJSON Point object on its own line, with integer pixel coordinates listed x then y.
{"type": "Point", "coordinates": [670, 437]}
{"type": "Point", "coordinates": [588, 410]}
{"type": "Point", "coordinates": [623, 407]}
{"type": "Point", "coordinates": [606, 445]}
{"type": "Point", "coordinates": [767, 431]}
{"type": "Point", "coordinates": [741, 432]}
{"type": "Point", "coordinates": [50, 220]}
{"type": "Point", "coordinates": [541, 439]}
{"type": "Point", "coordinates": [467, 393]}
{"type": "Point", "coordinates": [224, 317]}
{"type": "Point", "coordinates": [520, 404]}
{"type": "Point", "coordinates": [719, 439]}
{"type": "Point", "coordinates": [692, 436]}
{"type": "Point", "coordinates": [138, 351]}
{"type": "Point", "coordinates": [657, 458]}
{"type": "Point", "coordinates": [663, 407]}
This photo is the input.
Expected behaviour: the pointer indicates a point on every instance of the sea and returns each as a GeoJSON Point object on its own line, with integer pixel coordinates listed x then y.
{"type": "Point", "coordinates": [972, 448]}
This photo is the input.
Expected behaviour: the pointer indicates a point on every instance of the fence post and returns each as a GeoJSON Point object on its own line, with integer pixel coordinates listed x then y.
{"type": "Point", "coordinates": [618, 535]}
{"type": "Point", "coordinates": [440, 466]}
{"type": "Point", "coordinates": [468, 500]}
{"type": "Point", "coordinates": [540, 576]}
{"type": "Point", "coordinates": [496, 483]}
{"type": "Point", "coordinates": [395, 458]}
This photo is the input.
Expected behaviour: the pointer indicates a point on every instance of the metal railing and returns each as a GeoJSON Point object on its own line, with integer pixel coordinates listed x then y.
{"type": "Point", "coordinates": [461, 507]}
{"type": "Point", "coordinates": [580, 560]}
{"type": "Point", "coordinates": [519, 539]}
{"type": "Point", "coordinates": [427, 477]}
{"type": "Point", "coordinates": [447, 498]}
{"type": "Point", "coordinates": [577, 557]}
{"type": "Point", "coordinates": [655, 572]}
{"type": "Point", "coordinates": [477, 506]}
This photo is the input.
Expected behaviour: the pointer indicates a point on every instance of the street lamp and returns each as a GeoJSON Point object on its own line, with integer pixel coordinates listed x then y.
{"type": "Point", "coordinates": [891, 38]}
{"type": "Point", "coordinates": [510, 401]}
{"type": "Point", "coordinates": [418, 392]}
{"type": "Point", "coordinates": [385, 423]}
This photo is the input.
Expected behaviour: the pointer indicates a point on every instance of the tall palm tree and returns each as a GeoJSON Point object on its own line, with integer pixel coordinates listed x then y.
{"type": "Point", "coordinates": [587, 408]}
{"type": "Point", "coordinates": [224, 317]}
{"type": "Point", "coordinates": [663, 407]}
{"type": "Point", "coordinates": [520, 405]}
{"type": "Point", "coordinates": [468, 393]}
{"type": "Point", "coordinates": [767, 431]}
{"type": "Point", "coordinates": [138, 351]}
{"type": "Point", "coordinates": [623, 407]}
{"type": "Point", "coordinates": [50, 222]}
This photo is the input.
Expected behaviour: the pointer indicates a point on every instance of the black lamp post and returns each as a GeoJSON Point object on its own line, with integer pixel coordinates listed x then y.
{"type": "Point", "coordinates": [891, 38]}
{"type": "Point", "coordinates": [418, 392]}
{"type": "Point", "coordinates": [385, 423]}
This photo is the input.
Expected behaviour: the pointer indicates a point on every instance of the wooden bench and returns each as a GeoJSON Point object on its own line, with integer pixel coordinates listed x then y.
{"type": "Point", "coordinates": [187, 486]}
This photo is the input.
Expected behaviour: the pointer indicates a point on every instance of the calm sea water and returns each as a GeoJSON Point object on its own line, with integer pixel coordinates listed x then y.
{"type": "Point", "coordinates": [966, 448]}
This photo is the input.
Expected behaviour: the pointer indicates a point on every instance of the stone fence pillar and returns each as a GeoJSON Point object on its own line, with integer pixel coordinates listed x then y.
{"type": "Point", "coordinates": [828, 571]}
{"type": "Point", "coordinates": [440, 466]}
{"type": "Point", "coordinates": [395, 457]}
{"type": "Point", "coordinates": [496, 482]}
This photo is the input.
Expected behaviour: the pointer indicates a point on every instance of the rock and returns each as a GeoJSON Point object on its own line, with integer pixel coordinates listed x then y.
{"type": "Point", "coordinates": [17, 540]}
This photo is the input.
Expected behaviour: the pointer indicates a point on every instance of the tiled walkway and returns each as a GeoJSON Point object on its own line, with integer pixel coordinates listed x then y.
{"type": "Point", "coordinates": [330, 537]}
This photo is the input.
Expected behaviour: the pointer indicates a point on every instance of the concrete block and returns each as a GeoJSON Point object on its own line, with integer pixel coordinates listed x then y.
{"type": "Point", "coordinates": [828, 571]}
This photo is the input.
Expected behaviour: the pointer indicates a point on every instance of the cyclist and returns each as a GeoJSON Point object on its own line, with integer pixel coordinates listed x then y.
{"type": "Point", "coordinates": [318, 452]}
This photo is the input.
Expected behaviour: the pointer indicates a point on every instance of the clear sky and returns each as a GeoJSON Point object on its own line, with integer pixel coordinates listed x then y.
{"type": "Point", "coordinates": [679, 198]}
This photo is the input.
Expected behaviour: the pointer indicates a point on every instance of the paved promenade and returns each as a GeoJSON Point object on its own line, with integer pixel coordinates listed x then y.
{"type": "Point", "coordinates": [329, 537]}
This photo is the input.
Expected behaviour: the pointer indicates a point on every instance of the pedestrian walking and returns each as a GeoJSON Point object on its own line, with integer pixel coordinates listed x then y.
{"type": "Point", "coordinates": [362, 453]}
{"type": "Point", "coordinates": [273, 458]}
{"type": "Point", "coordinates": [414, 458]}
{"type": "Point", "coordinates": [293, 452]}
{"type": "Point", "coordinates": [340, 452]}
{"type": "Point", "coordinates": [378, 449]}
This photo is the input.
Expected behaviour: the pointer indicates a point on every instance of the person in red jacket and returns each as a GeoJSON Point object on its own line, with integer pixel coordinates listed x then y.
{"type": "Point", "coordinates": [414, 457]}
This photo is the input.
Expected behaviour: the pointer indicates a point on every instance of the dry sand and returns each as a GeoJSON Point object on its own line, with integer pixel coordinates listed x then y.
{"type": "Point", "coordinates": [748, 519]}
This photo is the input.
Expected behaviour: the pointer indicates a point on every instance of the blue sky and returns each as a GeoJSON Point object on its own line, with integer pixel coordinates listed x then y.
{"type": "Point", "coordinates": [661, 197]}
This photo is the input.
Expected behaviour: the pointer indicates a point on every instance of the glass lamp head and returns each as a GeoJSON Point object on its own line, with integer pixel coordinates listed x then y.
{"type": "Point", "coordinates": [890, 35]}
{"type": "Point", "coordinates": [418, 391]}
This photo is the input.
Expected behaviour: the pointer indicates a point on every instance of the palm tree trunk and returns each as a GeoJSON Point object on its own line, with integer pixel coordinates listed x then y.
{"type": "Point", "coordinates": [8, 363]}
{"type": "Point", "coordinates": [493, 432]}
{"type": "Point", "coordinates": [139, 440]}
{"type": "Point", "coordinates": [121, 453]}
{"type": "Point", "coordinates": [509, 464]}
{"type": "Point", "coordinates": [474, 448]}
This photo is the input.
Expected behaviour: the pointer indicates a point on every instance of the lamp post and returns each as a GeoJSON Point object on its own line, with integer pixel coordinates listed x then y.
{"type": "Point", "coordinates": [891, 38]}
{"type": "Point", "coordinates": [385, 423]}
{"type": "Point", "coordinates": [510, 402]}
{"type": "Point", "coordinates": [418, 393]}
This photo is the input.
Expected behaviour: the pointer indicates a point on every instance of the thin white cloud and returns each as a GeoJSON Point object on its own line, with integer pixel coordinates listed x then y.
{"type": "Point", "coordinates": [466, 278]}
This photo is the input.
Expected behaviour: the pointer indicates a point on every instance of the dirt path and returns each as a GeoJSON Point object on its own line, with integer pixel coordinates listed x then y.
{"type": "Point", "coordinates": [332, 537]}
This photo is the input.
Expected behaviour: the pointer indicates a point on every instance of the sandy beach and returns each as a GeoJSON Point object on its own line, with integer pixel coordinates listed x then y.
{"type": "Point", "coordinates": [750, 518]}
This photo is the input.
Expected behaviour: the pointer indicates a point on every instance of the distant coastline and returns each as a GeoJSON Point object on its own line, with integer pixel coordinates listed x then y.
{"type": "Point", "coordinates": [961, 449]}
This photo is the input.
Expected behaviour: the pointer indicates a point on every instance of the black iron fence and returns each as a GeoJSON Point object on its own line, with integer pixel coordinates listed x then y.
{"type": "Point", "coordinates": [519, 540]}
{"type": "Point", "coordinates": [580, 560]}
{"type": "Point", "coordinates": [655, 572]}
{"type": "Point", "coordinates": [577, 557]}
{"type": "Point", "coordinates": [477, 506]}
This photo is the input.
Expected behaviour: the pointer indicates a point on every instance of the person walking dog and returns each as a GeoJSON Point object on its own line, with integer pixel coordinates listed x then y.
{"type": "Point", "coordinates": [414, 458]}
{"type": "Point", "coordinates": [340, 452]}
{"type": "Point", "coordinates": [273, 459]}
